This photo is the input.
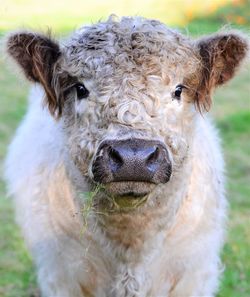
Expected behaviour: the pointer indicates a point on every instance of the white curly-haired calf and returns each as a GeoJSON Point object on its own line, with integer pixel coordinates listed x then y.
{"type": "Point", "coordinates": [116, 171]}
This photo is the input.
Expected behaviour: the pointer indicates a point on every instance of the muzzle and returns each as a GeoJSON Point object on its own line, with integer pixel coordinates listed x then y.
{"type": "Point", "coordinates": [132, 160]}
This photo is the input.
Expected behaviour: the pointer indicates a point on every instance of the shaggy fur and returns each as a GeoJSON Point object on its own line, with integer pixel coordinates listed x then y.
{"type": "Point", "coordinates": [168, 244]}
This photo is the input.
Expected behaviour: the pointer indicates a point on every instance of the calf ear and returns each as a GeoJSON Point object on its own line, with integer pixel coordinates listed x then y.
{"type": "Point", "coordinates": [37, 55]}
{"type": "Point", "coordinates": [221, 55]}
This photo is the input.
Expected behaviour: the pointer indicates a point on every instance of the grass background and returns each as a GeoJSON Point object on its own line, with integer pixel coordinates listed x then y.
{"type": "Point", "coordinates": [231, 111]}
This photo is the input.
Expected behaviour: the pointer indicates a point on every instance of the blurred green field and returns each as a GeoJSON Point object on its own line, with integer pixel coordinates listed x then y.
{"type": "Point", "coordinates": [64, 16]}
{"type": "Point", "coordinates": [231, 111]}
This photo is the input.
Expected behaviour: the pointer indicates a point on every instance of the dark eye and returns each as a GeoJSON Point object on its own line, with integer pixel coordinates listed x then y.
{"type": "Point", "coordinates": [81, 91]}
{"type": "Point", "coordinates": [178, 91]}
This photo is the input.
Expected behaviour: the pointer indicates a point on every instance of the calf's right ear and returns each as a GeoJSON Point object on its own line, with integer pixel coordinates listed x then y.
{"type": "Point", "coordinates": [36, 54]}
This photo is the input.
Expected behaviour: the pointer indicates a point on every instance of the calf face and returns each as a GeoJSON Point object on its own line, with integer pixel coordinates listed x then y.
{"type": "Point", "coordinates": [127, 94]}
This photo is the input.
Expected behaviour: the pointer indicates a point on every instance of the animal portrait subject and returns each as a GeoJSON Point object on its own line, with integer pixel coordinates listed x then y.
{"type": "Point", "coordinates": [116, 170]}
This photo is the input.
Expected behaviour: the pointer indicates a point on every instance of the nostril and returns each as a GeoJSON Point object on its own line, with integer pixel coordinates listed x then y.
{"type": "Point", "coordinates": [153, 156]}
{"type": "Point", "coordinates": [115, 159]}
{"type": "Point", "coordinates": [152, 161]}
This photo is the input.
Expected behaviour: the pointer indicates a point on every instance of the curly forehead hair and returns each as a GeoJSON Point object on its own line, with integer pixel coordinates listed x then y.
{"type": "Point", "coordinates": [130, 45]}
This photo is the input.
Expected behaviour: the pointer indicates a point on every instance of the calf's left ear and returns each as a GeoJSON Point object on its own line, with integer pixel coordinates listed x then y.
{"type": "Point", "coordinates": [221, 55]}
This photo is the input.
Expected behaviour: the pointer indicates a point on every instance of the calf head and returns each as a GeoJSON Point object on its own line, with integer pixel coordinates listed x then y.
{"type": "Point", "coordinates": [127, 94]}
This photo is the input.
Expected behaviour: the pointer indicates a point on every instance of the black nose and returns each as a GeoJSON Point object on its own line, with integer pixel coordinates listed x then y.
{"type": "Point", "coordinates": [132, 160]}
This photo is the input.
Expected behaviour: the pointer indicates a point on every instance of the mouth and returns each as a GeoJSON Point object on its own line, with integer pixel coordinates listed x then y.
{"type": "Point", "coordinates": [133, 189]}
{"type": "Point", "coordinates": [128, 194]}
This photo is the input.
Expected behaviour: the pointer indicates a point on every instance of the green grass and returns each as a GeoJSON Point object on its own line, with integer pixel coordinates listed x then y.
{"type": "Point", "coordinates": [235, 129]}
{"type": "Point", "coordinates": [64, 16]}
{"type": "Point", "coordinates": [17, 277]}
{"type": "Point", "coordinates": [231, 110]}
